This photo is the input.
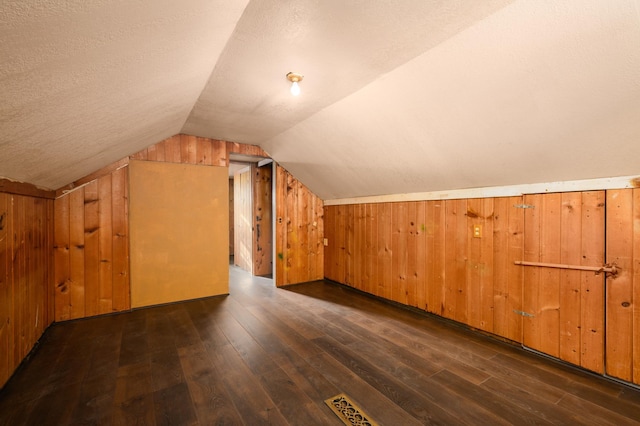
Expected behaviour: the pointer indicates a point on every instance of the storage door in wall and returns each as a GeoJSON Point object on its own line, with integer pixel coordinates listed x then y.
{"type": "Point", "coordinates": [623, 289]}
{"type": "Point", "coordinates": [563, 308]}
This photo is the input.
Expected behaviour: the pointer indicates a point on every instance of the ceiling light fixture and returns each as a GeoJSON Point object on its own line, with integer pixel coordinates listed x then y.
{"type": "Point", "coordinates": [295, 78]}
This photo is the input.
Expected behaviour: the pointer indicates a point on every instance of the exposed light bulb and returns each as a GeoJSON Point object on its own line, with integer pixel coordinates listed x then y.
{"type": "Point", "coordinates": [295, 88]}
{"type": "Point", "coordinates": [295, 78]}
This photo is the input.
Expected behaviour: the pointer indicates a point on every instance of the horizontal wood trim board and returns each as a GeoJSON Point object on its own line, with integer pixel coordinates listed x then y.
{"type": "Point", "coordinates": [9, 186]}
{"type": "Point", "coordinates": [622, 182]}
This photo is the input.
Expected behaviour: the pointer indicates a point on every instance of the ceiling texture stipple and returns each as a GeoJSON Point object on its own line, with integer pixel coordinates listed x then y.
{"type": "Point", "coordinates": [397, 96]}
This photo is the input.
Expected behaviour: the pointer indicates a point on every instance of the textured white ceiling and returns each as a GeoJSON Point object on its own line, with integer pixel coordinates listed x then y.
{"type": "Point", "coordinates": [398, 96]}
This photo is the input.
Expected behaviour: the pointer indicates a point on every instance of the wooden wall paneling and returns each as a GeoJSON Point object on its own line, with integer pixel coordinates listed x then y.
{"type": "Point", "coordinates": [412, 254]}
{"type": "Point", "coordinates": [105, 252]}
{"type": "Point", "coordinates": [281, 227]}
{"type": "Point", "coordinates": [359, 254]}
{"type": "Point", "coordinates": [371, 249]}
{"type": "Point", "coordinates": [262, 216]}
{"type": "Point", "coordinates": [455, 295]}
{"type": "Point", "coordinates": [350, 246]}
{"type": "Point", "coordinates": [25, 259]}
{"type": "Point", "coordinates": [569, 285]}
{"type": "Point", "coordinates": [635, 265]}
{"type": "Point", "coordinates": [420, 268]}
{"type": "Point", "coordinates": [300, 209]}
{"type": "Point", "coordinates": [291, 236]}
{"type": "Point", "coordinates": [487, 278]}
{"type": "Point", "coordinates": [92, 248]}
{"type": "Point", "coordinates": [340, 243]}
{"type": "Point", "coordinates": [62, 274]}
{"type": "Point", "coordinates": [508, 248]}
{"type": "Point", "coordinates": [592, 286]}
{"type": "Point", "coordinates": [298, 245]}
{"type": "Point", "coordinates": [385, 252]}
{"type": "Point", "coordinates": [18, 279]}
{"type": "Point", "coordinates": [76, 286]}
{"type": "Point", "coordinates": [435, 217]}
{"type": "Point", "coordinates": [152, 152]}
{"type": "Point", "coordinates": [173, 150]}
{"type": "Point", "coordinates": [6, 291]}
{"type": "Point", "coordinates": [316, 240]}
{"type": "Point", "coordinates": [620, 290]}
{"type": "Point", "coordinates": [332, 250]}
{"type": "Point", "coordinates": [479, 276]}
{"type": "Point", "coordinates": [121, 300]}
{"type": "Point", "coordinates": [474, 307]}
{"type": "Point", "coordinates": [219, 153]}
{"type": "Point", "coordinates": [399, 248]}
{"type": "Point", "coordinates": [51, 305]}
{"type": "Point", "coordinates": [188, 149]}
{"type": "Point", "coordinates": [548, 312]}
{"type": "Point", "coordinates": [203, 151]}
{"type": "Point", "coordinates": [532, 275]}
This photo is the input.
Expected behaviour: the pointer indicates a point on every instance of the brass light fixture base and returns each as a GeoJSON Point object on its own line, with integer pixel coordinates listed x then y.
{"type": "Point", "coordinates": [294, 77]}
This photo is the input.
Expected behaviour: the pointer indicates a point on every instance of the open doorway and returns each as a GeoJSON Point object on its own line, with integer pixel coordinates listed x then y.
{"type": "Point", "coordinates": [251, 214]}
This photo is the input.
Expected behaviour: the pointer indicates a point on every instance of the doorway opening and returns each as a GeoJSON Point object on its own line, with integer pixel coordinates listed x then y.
{"type": "Point", "coordinates": [251, 218]}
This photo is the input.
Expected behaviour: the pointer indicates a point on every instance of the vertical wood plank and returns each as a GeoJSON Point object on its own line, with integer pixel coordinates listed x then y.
{"type": "Point", "coordinates": [92, 248]}
{"type": "Point", "coordinates": [474, 264]}
{"type": "Point", "coordinates": [61, 259]}
{"type": "Point", "coordinates": [173, 150]}
{"type": "Point", "coordinates": [569, 285]}
{"type": "Point", "coordinates": [485, 265]}
{"type": "Point", "coordinates": [548, 311]}
{"type": "Point", "coordinates": [203, 151]}
{"type": "Point", "coordinates": [619, 291]}
{"type": "Point", "coordinates": [120, 235]}
{"type": "Point", "coordinates": [262, 245]}
{"type": "Point", "coordinates": [105, 253]}
{"type": "Point", "coordinates": [76, 253]}
{"type": "Point", "coordinates": [421, 255]}
{"type": "Point", "coordinates": [411, 254]}
{"type": "Point", "coordinates": [160, 151]}
{"type": "Point", "coordinates": [592, 327]}
{"type": "Point", "coordinates": [6, 293]}
{"type": "Point", "coordinates": [532, 276]}
{"type": "Point", "coordinates": [508, 284]}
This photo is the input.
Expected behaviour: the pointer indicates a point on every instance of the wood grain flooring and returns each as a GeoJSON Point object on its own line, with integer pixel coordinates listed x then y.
{"type": "Point", "coordinates": [272, 356]}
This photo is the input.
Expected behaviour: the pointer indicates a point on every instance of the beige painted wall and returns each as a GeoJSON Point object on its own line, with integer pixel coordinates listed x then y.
{"type": "Point", "coordinates": [179, 218]}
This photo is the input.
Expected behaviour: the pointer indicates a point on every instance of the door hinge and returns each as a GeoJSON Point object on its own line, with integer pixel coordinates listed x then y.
{"type": "Point", "coordinates": [524, 206]}
{"type": "Point", "coordinates": [524, 314]}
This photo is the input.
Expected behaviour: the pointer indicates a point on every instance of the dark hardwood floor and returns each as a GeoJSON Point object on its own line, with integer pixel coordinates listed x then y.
{"type": "Point", "coordinates": [272, 356]}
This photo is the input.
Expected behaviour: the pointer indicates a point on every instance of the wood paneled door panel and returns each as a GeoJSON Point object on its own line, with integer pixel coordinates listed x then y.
{"type": "Point", "coordinates": [564, 308]}
{"type": "Point", "coordinates": [623, 289]}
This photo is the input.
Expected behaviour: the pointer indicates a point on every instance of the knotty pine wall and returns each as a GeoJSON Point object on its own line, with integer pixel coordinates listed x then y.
{"type": "Point", "coordinates": [26, 237]}
{"type": "Point", "coordinates": [262, 220]}
{"type": "Point", "coordinates": [422, 254]}
{"type": "Point", "coordinates": [92, 237]}
{"type": "Point", "coordinates": [299, 232]}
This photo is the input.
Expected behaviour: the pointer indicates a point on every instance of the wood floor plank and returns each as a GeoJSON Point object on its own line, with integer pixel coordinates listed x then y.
{"type": "Point", "coordinates": [267, 355]}
{"type": "Point", "coordinates": [211, 400]}
{"type": "Point", "coordinates": [378, 406]}
{"type": "Point", "coordinates": [415, 404]}
{"type": "Point", "coordinates": [503, 408]}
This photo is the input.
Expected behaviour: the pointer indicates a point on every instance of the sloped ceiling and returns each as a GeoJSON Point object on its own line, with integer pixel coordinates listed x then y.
{"type": "Point", "coordinates": [398, 96]}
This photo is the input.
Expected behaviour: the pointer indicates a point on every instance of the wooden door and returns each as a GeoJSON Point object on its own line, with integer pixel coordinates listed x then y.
{"type": "Point", "coordinates": [564, 308]}
{"type": "Point", "coordinates": [623, 289]}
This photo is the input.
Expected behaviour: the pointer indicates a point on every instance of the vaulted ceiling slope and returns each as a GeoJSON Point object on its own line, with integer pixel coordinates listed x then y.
{"type": "Point", "coordinates": [398, 96]}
